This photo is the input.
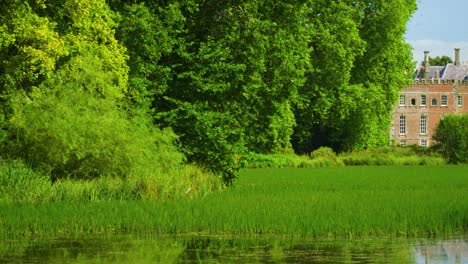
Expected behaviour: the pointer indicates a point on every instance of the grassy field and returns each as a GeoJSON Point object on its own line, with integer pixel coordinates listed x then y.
{"type": "Point", "coordinates": [342, 201]}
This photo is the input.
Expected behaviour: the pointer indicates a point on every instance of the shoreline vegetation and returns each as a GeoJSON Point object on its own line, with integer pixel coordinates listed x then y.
{"type": "Point", "coordinates": [322, 201]}
{"type": "Point", "coordinates": [18, 179]}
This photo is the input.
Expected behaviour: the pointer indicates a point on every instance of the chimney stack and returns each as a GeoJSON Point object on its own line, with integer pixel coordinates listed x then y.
{"type": "Point", "coordinates": [457, 57]}
{"type": "Point", "coordinates": [426, 65]}
{"type": "Point", "coordinates": [426, 58]}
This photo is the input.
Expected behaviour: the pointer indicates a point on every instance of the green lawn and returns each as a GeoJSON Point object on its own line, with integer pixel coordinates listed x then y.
{"type": "Point", "coordinates": [345, 201]}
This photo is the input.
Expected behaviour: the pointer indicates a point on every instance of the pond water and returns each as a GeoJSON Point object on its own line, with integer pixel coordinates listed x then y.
{"type": "Point", "coordinates": [216, 249]}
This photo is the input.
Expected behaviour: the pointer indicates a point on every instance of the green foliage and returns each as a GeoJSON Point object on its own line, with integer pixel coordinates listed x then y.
{"type": "Point", "coordinates": [20, 184]}
{"type": "Point", "coordinates": [440, 60]}
{"type": "Point", "coordinates": [3, 132]}
{"type": "Point", "coordinates": [451, 133]}
{"type": "Point", "coordinates": [322, 157]}
{"type": "Point", "coordinates": [69, 132]}
{"type": "Point", "coordinates": [329, 202]}
{"type": "Point", "coordinates": [228, 78]}
{"type": "Point", "coordinates": [392, 156]}
{"type": "Point", "coordinates": [358, 49]}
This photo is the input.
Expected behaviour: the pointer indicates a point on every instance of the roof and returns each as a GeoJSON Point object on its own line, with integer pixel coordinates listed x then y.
{"type": "Point", "coordinates": [447, 72]}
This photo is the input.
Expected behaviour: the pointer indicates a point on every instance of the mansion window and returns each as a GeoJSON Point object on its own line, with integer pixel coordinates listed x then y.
{"type": "Point", "coordinates": [434, 102]}
{"type": "Point", "coordinates": [402, 124]}
{"type": "Point", "coordinates": [402, 100]}
{"type": "Point", "coordinates": [459, 100]}
{"type": "Point", "coordinates": [423, 125]}
{"type": "Point", "coordinates": [413, 101]}
{"type": "Point", "coordinates": [423, 100]}
{"type": "Point", "coordinates": [423, 143]}
{"type": "Point", "coordinates": [403, 143]}
{"type": "Point", "coordinates": [443, 100]}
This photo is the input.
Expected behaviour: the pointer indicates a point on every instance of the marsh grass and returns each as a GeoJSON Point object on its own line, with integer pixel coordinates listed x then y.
{"type": "Point", "coordinates": [21, 184]}
{"type": "Point", "coordinates": [345, 201]}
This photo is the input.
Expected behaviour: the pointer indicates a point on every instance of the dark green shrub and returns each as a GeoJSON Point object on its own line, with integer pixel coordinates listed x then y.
{"type": "Point", "coordinates": [452, 134]}
{"type": "Point", "coordinates": [2, 131]}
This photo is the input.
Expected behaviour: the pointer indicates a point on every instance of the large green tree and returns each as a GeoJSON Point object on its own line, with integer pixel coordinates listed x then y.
{"type": "Point", "coordinates": [64, 94]}
{"type": "Point", "coordinates": [359, 62]}
{"type": "Point", "coordinates": [222, 74]}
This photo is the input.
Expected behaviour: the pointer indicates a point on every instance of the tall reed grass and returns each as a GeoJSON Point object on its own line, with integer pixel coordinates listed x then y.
{"type": "Point", "coordinates": [21, 184]}
{"type": "Point", "coordinates": [344, 201]}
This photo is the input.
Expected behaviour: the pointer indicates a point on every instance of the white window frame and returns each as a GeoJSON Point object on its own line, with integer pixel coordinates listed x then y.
{"type": "Point", "coordinates": [423, 143]}
{"type": "Point", "coordinates": [423, 125]}
{"type": "Point", "coordinates": [459, 100]}
{"type": "Point", "coordinates": [423, 100]}
{"type": "Point", "coordinates": [402, 125]}
{"type": "Point", "coordinates": [443, 100]}
{"type": "Point", "coordinates": [403, 143]}
{"type": "Point", "coordinates": [402, 100]}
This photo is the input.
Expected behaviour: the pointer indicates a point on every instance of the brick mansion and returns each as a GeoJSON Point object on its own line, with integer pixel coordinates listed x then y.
{"type": "Point", "coordinates": [435, 92]}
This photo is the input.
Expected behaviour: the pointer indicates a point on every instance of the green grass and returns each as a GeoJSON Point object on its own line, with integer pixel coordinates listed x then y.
{"type": "Point", "coordinates": [343, 201]}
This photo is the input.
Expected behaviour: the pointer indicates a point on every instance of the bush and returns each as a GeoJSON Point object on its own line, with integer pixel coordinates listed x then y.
{"type": "Point", "coordinates": [452, 134]}
{"type": "Point", "coordinates": [391, 156]}
{"type": "Point", "coordinates": [322, 157]}
{"type": "Point", "coordinates": [72, 133]}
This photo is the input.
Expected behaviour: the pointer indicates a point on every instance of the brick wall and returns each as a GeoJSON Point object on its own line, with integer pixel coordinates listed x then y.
{"type": "Point", "coordinates": [434, 109]}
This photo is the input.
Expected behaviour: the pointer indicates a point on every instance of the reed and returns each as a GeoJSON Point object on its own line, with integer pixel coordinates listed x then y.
{"type": "Point", "coordinates": [342, 201]}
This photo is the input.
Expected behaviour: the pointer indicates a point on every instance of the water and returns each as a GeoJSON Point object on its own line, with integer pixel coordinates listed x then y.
{"type": "Point", "coordinates": [216, 249]}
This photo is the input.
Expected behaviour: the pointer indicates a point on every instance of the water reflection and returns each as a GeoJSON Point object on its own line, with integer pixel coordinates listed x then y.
{"type": "Point", "coordinates": [455, 251]}
{"type": "Point", "coordinates": [196, 249]}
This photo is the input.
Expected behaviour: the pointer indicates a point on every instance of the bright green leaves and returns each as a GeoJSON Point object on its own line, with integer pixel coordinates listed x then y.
{"type": "Point", "coordinates": [359, 59]}
{"type": "Point", "coordinates": [69, 132]}
{"type": "Point", "coordinates": [67, 78]}
{"type": "Point", "coordinates": [29, 47]}
{"type": "Point", "coordinates": [227, 77]}
{"type": "Point", "coordinates": [452, 133]}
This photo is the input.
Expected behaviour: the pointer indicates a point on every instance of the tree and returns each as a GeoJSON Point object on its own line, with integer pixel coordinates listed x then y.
{"type": "Point", "coordinates": [440, 60]}
{"type": "Point", "coordinates": [451, 133]}
{"type": "Point", "coordinates": [359, 57]}
{"type": "Point", "coordinates": [223, 74]}
{"type": "Point", "coordinates": [65, 95]}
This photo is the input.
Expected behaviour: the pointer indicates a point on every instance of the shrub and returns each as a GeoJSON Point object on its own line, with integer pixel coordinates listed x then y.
{"type": "Point", "coordinates": [322, 157]}
{"type": "Point", "coordinates": [412, 155]}
{"type": "Point", "coordinates": [72, 133]}
{"type": "Point", "coordinates": [452, 133]}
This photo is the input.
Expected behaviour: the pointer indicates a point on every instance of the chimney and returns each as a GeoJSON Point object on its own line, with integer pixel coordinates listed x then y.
{"type": "Point", "coordinates": [457, 57]}
{"type": "Point", "coordinates": [426, 65]}
{"type": "Point", "coordinates": [426, 58]}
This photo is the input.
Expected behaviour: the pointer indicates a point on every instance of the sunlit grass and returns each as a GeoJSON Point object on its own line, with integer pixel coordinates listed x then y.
{"type": "Point", "coordinates": [345, 201]}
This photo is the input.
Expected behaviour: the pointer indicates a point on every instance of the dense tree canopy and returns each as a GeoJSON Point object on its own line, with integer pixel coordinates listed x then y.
{"type": "Point", "coordinates": [228, 77]}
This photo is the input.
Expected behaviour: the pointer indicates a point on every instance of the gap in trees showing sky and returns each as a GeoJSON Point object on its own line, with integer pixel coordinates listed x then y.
{"type": "Point", "coordinates": [439, 27]}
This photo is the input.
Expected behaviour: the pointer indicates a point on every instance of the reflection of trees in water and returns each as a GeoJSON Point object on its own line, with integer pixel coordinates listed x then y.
{"type": "Point", "coordinates": [453, 251]}
{"type": "Point", "coordinates": [212, 249]}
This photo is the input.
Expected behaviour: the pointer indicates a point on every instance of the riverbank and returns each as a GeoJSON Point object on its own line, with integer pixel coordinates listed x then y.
{"type": "Point", "coordinates": [321, 202]}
